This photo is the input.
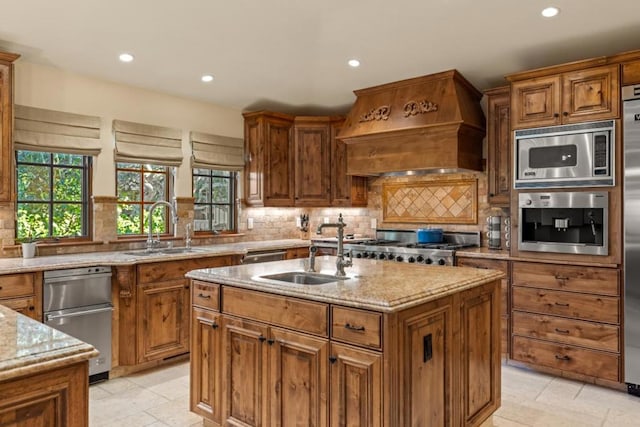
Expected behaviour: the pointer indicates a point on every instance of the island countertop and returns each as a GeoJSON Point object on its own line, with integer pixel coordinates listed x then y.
{"type": "Point", "coordinates": [376, 285]}
{"type": "Point", "coordinates": [28, 347]}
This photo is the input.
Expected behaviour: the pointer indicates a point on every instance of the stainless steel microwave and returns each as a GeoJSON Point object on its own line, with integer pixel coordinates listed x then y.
{"type": "Point", "coordinates": [580, 155]}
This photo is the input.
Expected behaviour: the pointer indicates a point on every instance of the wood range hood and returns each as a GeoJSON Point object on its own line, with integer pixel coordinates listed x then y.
{"type": "Point", "coordinates": [426, 124]}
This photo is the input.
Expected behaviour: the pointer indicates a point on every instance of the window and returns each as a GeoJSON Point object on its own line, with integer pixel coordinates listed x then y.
{"type": "Point", "coordinates": [138, 186]}
{"type": "Point", "coordinates": [52, 194]}
{"type": "Point", "coordinates": [215, 193]}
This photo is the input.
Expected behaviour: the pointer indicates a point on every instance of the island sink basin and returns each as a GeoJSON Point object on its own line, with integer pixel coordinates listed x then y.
{"type": "Point", "coordinates": [162, 251]}
{"type": "Point", "coordinates": [302, 278]}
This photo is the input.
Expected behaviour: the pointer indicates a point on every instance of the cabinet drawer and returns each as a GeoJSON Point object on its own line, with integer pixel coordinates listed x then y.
{"type": "Point", "coordinates": [596, 280]}
{"type": "Point", "coordinates": [494, 265]}
{"type": "Point", "coordinates": [24, 306]}
{"type": "Point", "coordinates": [15, 285]}
{"type": "Point", "coordinates": [356, 326]}
{"type": "Point", "coordinates": [567, 304]}
{"type": "Point", "coordinates": [277, 310]}
{"type": "Point", "coordinates": [567, 358]}
{"type": "Point", "coordinates": [171, 270]}
{"type": "Point", "coordinates": [205, 295]}
{"type": "Point", "coordinates": [567, 331]}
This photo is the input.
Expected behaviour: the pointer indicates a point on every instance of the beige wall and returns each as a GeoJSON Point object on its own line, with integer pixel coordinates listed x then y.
{"type": "Point", "coordinates": [48, 87]}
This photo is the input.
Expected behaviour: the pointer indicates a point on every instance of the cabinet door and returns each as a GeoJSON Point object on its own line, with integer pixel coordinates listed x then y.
{"type": "Point", "coordinates": [356, 387]}
{"type": "Point", "coordinates": [425, 361]}
{"type": "Point", "coordinates": [298, 379]}
{"type": "Point", "coordinates": [346, 190]}
{"type": "Point", "coordinates": [206, 364]}
{"type": "Point", "coordinates": [6, 124]}
{"type": "Point", "coordinates": [244, 359]}
{"type": "Point", "coordinates": [591, 94]}
{"type": "Point", "coordinates": [163, 320]}
{"type": "Point", "coordinates": [312, 179]}
{"type": "Point", "coordinates": [278, 163]}
{"type": "Point", "coordinates": [254, 163]}
{"type": "Point", "coordinates": [536, 102]}
{"type": "Point", "coordinates": [499, 147]}
{"type": "Point", "coordinates": [481, 352]}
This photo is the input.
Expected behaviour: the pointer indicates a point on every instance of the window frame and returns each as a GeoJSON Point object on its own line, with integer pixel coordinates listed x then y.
{"type": "Point", "coordinates": [86, 203]}
{"type": "Point", "coordinates": [167, 197]}
{"type": "Point", "coordinates": [233, 192]}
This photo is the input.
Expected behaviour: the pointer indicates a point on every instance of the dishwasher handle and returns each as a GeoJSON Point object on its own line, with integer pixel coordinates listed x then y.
{"type": "Point", "coordinates": [50, 317]}
{"type": "Point", "coordinates": [78, 277]}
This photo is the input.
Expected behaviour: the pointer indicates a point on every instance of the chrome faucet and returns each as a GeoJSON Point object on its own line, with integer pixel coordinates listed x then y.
{"type": "Point", "coordinates": [187, 236]}
{"type": "Point", "coordinates": [341, 263]}
{"type": "Point", "coordinates": [151, 243]}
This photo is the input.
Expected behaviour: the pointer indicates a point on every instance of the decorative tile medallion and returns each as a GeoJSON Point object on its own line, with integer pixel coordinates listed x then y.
{"type": "Point", "coordinates": [438, 201]}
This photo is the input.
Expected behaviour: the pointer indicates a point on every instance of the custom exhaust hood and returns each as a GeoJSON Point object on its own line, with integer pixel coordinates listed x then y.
{"type": "Point", "coordinates": [426, 124]}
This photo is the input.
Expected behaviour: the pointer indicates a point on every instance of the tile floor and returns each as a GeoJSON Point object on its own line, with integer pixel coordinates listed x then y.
{"type": "Point", "coordinates": [161, 398]}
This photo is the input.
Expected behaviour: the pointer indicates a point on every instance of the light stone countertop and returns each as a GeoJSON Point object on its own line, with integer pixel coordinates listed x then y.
{"type": "Point", "coordinates": [376, 285]}
{"type": "Point", "coordinates": [29, 347]}
{"type": "Point", "coordinates": [484, 253]}
{"type": "Point", "coordinates": [54, 262]}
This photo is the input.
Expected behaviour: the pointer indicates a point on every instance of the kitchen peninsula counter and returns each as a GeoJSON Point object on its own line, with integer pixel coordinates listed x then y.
{"type": "Point", "coordinates": [43, 373]}
{"type": "Point", "coordinates": [394, 344]}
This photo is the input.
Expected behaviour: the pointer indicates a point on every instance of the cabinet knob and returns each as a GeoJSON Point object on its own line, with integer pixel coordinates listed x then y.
{"type": "Point", "coordinates": [271, 341]}
{"type": "Point", "coordinates": [31, 308]}
{"type": "Point", "coordinates": [214, 326]}
{"type": "Point", "coordinates": [556, 115]}
{"type": "Point", "coordinates": [261, 338]}
{"type": "Point", "coordinates": [565, 114]}
{"type": "Point", "coordinates": [333, 359]}
{"type": "Point", "coordinates": [562, 357]}
{"type": "Point", "coordinates": [491, 194]}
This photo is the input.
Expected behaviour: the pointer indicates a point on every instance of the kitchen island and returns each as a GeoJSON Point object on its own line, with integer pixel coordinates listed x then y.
{"type": "Point", "coordinates": [44, 374]}
{"type": "Point", "coordinates": [395, 344]}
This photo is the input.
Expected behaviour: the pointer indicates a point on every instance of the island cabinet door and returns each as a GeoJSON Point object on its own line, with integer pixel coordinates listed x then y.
{"type": "Point", "coordinates": [244, 385]}
{"type": "Point", "coordinates": [426, 360]}
{"type": "Point", "coordinates": [356, 387]}
{"type": "Point", "coordinates": [206, 364]}
{"type": "Point", "coordinates": [298, 379]}
{"type": "Point", "coordinates": [479, 318]}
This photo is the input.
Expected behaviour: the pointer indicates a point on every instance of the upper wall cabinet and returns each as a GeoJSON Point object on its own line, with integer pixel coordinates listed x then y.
{"type": "Point", "coordinates": [6, 125]}
{"type": "Point", "coordinates": [569, 97]}
{"type": "Point", "coordinates": [499, 146]}
{"type": "Point", "coordinates": [297, 161]}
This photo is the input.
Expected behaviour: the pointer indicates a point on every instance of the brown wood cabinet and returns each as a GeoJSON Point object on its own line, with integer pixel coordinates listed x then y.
{"type": "Point", "coordinates": [296, 161]}
{"type": "Point", "coordinates": [6, 125]}
{"type": "Point", "coordinates": [567, 318]}
{"type": "Point", "coordinates": [282, 362]}
{"type": "Point", "coordinates": [505, 299]}
{"type": "Point", "coordinates": [631, 73]}
{"type": "Point", "coordinates": [570, 97]}
{"type": "Point", "coordinates": [53, 398]}
{"type": "Point", "coordinates": [499, 146]}
{"type": "Point", "coordinates": [153, 303]}
{"type": "Point", "coordinates": [295, 253]}
{"type": "Point", "coordinates": [23, 293]}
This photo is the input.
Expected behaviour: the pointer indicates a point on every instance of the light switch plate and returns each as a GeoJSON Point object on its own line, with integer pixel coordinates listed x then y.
{"type": "Point", "coordinates": [298, 222]}
{"type": "Point", "coordinates": [250, 223]}
{"type": "Point", "coordinates": [374, 223]}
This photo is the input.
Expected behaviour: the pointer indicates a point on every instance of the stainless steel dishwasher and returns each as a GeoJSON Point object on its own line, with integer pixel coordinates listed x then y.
{"type": "Point", "coordinates": [78, 302]}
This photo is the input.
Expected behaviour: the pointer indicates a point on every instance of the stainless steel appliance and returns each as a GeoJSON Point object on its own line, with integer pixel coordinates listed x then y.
{"type": "Point", "coordinates": [566, 222]}
{"type": "Point", "coordinates": [631, 111]}
{"type": "Point", "coordinates": [577, 155]}
{"type": "Point", "coordinates": [402, 246]}
{"type": "Point", "coordinates": [78, 302]}
{"type": "Point", "coordinates": [264, 256]}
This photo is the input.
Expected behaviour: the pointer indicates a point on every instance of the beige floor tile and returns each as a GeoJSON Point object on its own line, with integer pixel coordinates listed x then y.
{"type": "Point", "coordinates": [497, 421]}
{"type": "Point", "coordinates": [523, 383]}
{"type": "Point", "coordinates": [617, 418]}
{"type": "Point", "coordinates": [175, 413]}
{"type": "Point", "coordinates": [128, 403]}
{"type": "Point", "coordinates": [96, 393]}
{"type": "Point", "coordinates": [116, 385]}
{"type": "Point", "coordinates": [139, 419]}
{"type": "Point", "coordinates": [611, 399]}
{"type": "Point", "coordinates": [172, 389]}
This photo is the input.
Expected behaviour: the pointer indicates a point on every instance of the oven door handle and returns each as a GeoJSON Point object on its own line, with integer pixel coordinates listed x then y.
{"type": "Point", "coordinates": [50, 317]}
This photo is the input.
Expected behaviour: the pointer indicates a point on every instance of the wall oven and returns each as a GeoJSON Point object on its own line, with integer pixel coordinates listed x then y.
{"type": "Point", "coordinates": [567, 222]}
{"type": "Point", "coordinates": [579, 155]}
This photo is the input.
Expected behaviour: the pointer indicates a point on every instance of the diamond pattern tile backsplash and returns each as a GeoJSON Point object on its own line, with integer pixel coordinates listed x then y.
{"type": "Point", "coordinates": [440, 202]}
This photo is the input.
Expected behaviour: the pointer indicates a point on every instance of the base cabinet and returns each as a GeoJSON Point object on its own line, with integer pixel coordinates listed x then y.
{"type": "Point", "coordinates": [435, 364]}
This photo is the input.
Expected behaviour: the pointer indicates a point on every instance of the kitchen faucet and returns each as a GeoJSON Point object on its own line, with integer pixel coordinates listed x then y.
{"type": "Point", "coordinates": [174, 218]}
{"type": "Point", "coordinates": [341, 263]}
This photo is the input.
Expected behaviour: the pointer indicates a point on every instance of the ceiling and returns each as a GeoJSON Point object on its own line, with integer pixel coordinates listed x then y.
{"type": "Point", "coordinates": [291, 55]}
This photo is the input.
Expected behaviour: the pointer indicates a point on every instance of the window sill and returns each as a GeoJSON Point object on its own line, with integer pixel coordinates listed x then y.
{"type": "Point", "coordinates": [61, 244]}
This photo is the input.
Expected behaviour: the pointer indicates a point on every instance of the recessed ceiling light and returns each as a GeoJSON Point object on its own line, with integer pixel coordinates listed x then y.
{"type": "Point", "coordinates": [550, 12]}
{"type": "Point", "coordinates": [354, 63]}
{"type": "Point", "coordinates": [126, 57]}
{"type": "Point", "coordinates": [207, 78]}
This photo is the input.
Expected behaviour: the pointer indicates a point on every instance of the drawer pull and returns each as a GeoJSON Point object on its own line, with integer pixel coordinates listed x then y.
{"type": "Point", "coordinates": [204, 296]}
{"type": "Point", "coordinates": [563, 357]}
{"type": "Point", "coordinates": [333, 359]}
{"type": "Point", "coordinates": [562, 331]}
{"type": "Point", "coordinates": [562, 304]}
{"type": "Point", "coordinates": [354, 328]}
{"type": "Point", "coordinates": [427, 348]}
{"type": "Point", "coordinates": [214, 325]}
{"type": "Point", "coordinates": [262, 338]}
{"type": "Point", "coordinates": [559, 277]}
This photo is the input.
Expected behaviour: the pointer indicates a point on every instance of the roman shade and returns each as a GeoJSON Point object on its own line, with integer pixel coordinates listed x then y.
{"type": "Point", "coordinates": [140, 143]}
{"type": "Point", "coordinates": [37, 129]}
{"type": "Point", "coordinates": [216, 152]}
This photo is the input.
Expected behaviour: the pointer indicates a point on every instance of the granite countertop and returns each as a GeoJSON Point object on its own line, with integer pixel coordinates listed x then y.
{"type": "Point", "coordinates": [53, 262]}
{"type": "Point", "coordinates": [484, 253]}
{"type": "Point", "coordinates": [28, 346]}
{"type": "Point", "coordinates": [376, 285]}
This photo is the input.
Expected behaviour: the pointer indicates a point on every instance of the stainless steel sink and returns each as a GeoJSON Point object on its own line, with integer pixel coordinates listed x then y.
{"type": "Point", "coordinates": [301, 278]}
{"type": "Point", "coordinates": [163, 251]}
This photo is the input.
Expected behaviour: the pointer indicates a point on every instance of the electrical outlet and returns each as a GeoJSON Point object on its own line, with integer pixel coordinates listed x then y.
{"type": "Point", "coordinates": [374, 223]}
{"type": "Point", "coordinates": [326, 220]}
{"type": "Point", "coordinates": [298, 222]}
{"type": "Point", "coordinates": [250, 223]}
